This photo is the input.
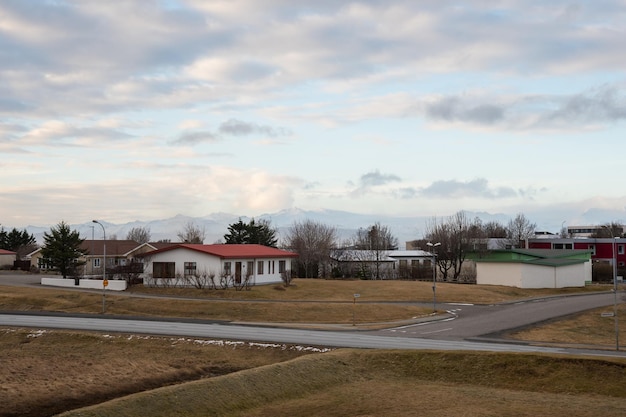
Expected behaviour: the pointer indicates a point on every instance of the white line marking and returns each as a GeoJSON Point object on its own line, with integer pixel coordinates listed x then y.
{"type": "Point", "coordinates": [437, 331]}
{"type": "Point", "coordinates": [408, 326]}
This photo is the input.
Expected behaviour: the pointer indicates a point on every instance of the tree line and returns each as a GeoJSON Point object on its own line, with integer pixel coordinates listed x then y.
{"type": "Point", "coordinates": [452, 237]}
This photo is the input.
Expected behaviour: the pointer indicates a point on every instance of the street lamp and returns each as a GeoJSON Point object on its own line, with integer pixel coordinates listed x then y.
{"type": "Point", "coordinates": [613, 240]}
{"type": "Point", "coordinates": [614, 262]}
{"type": "Point", "coordinates": [433, 246]}
{"type": "Point", "coordinates": [104, 266]}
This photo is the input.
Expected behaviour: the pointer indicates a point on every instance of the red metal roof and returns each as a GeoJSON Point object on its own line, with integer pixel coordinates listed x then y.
{"type": "Point", "coordinates": [6, 252]}
{"type": "Point", "coordinates": [230, 251]}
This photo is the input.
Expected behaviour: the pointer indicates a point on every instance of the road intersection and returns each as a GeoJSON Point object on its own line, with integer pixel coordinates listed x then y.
{"type": "Point", "coordinates": [462, 327]}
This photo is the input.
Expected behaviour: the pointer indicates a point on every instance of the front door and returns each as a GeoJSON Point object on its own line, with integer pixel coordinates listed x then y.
{"type": "Point", "coordinates": [237, 272]}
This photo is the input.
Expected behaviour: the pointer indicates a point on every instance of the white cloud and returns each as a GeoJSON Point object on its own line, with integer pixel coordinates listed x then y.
{"type": "Point", "coordinates": [173, 100]}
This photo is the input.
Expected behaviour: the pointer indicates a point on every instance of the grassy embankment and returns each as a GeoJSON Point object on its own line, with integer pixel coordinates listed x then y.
{"type": "Point", "coordinates": [44, 373]}
{"type": "Point", "coordinates": [47, 372]}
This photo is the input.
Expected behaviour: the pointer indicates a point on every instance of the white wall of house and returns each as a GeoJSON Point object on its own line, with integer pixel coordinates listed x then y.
{"type": "Point", "coordinates": [210, 264]}
{"type": "Point", "coordinates": [7, 259]}
{"type": "Point", "coordinates": [522, 275]}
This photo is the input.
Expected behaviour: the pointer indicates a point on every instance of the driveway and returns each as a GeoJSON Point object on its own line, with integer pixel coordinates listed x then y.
{"type": "Point", "coordinates": [21, 279]}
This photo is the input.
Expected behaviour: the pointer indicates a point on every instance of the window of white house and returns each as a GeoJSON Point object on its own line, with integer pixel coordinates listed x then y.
{"type": "Point", "coordinates": [190, 268]}
{"type": "Point", "coordinates": [164, 270]}
{"type": "Point", "coordinates": [96, 262]}
{"type": "Point", "coordinates": [259, 267]}
{"type": "Point", "coordinates": [250, 268]}
{"type": "Point", "coordinates": [415, 263]}
{"type": "Point", "coordinates": [227, 268]}
{"type": "Point", "coordinates": [281, 266]}
{"type": "Point", "coordinates": [271, 265]}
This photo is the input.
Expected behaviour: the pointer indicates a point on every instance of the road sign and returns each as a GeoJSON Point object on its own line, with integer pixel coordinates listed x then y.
{"type": "Point", "coordinates": [357, 295]}
{"type": "Point", "coordinates": [105, 282]}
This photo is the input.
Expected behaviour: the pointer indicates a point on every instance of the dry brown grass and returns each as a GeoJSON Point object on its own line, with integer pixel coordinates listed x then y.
{"type": "Point", "coordinates": [71, 301]}
{"type": "Point", "coordinates": [307, 301]}
{"type": "Point", "coordinates": [47, 372]}
{"type": "Point", "coordinates": [372, 291]}
{"type": "Point", "coordinates": [584, 329]}
{"type": "Point", "coordinates": [394, 383]}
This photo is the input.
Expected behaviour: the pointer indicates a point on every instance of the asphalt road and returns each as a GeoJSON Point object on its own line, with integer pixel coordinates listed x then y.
{"type": "Point", "coordinates": [466, 327]}
{"type": "Point", "coordinates": [353, 339]}
{"type": "Point", "coordinates": [473, 321]}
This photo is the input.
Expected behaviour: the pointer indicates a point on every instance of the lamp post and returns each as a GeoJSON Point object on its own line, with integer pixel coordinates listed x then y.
{"type": "Point", "coordinates": [104, 265]}
{"type": "Point", "coordinates": [613, 240]}
{"type": "Point", "coordinates": [614, 262]}
{"type": "Point", "coordinates": [433, 247]}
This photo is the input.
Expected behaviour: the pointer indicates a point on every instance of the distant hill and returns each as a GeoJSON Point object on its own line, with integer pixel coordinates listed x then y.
{"type": "Point", "coordinates": [216, 224]}
{"type": "Point", "coordinates": [404, 228]}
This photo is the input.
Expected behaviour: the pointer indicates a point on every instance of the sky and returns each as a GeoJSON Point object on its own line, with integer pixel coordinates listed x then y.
{"type": "Point", "coordinates": [139, 110]}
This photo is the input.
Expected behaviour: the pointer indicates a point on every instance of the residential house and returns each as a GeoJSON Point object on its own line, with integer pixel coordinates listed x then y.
{"type": "Point", "coordinates": [384, 264]}
{"type": "Point", "coordinates": [534, 268]}
{"type": "Point", "coordinates": [7, 258]}
{"type": "Point", "coordinates": [200, 265]}
{"type": "Point", "coordinates": [119, 253]}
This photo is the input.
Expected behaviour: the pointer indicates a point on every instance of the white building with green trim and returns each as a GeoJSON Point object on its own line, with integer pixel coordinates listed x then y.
{"type": "Point", "coordinates": [534, 268]}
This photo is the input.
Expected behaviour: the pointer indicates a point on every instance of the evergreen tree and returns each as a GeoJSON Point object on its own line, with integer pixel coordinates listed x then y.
{"type": "Point", "coordinates": [15, 239]}
{"type": "Point", "coordinates": [237, 233]}
{"type": "Point", "coordinates": [62, 249]}
{"type": "Point", "coordinates": [260, 233]}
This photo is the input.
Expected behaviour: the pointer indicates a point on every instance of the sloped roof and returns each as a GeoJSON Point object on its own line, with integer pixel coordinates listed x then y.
{"type": "Point", "coordinates": [417, 253]}
{"type": "Point", "coordinates": [231, 251]}
{"type": "Point", "coordinates": [113, 247]}
{"type": "Point", "coordinates": [357, 255]}
{"type": "Point", "coordinates": [544, 257]}
{"type": "Point", "coordinates": [7, 252]}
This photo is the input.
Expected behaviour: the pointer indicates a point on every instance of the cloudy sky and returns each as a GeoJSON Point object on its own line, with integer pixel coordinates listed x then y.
{"type": "Point", "coordinates": [126, 110]}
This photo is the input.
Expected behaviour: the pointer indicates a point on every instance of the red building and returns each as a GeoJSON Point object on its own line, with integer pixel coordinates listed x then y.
{"type": "Point", "coordinates": [603, 250]}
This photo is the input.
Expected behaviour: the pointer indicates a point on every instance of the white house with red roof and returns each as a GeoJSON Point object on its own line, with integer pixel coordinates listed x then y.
{"type": "Point", "coordinates": [216, 266]}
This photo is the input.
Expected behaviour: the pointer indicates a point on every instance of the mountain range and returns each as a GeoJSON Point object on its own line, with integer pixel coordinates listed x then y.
{"type": "Point", "coordinates": [405, 228]}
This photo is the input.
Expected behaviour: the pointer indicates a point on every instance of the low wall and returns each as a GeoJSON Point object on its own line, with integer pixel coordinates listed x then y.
{"type": "Point", "coordinates": [94, 284]}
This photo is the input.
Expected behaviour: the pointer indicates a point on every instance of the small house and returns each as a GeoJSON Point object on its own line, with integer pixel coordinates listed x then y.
{"type": "Point", "coordinates": [534, 268]}
{"type": "Point", "coordinates": [7, 258]}
{"type": "Point", "coordinates": [218, 265]}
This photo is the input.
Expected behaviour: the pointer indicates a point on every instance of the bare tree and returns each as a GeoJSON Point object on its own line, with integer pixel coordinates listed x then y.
{"type": "Point", "coordinates": [139, 234]}
{"type": "Point", "coordinates": [313, 242]}
{"type": "Point", "coordinates": [376, 241]}
{"type": "Point", "coordinates": [519, 230]}
{"type": "Point", "coordinates": [494, 229]}
{"type": "Point", "coordinates": [456, 235]}
{"type": "Point", "coordinates": [192, 233]}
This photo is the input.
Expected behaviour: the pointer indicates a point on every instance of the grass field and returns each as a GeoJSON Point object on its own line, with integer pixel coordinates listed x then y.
{"type": "Point", "coordinates": [46, 372]}
{"type": "Point", "coordinates": [307, 301]}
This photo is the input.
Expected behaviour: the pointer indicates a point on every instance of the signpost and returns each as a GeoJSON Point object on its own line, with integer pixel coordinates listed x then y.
{"type": "Point", "coordinates": [354, 308]}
